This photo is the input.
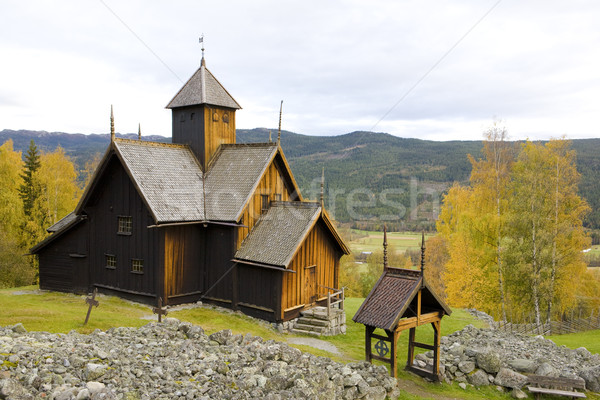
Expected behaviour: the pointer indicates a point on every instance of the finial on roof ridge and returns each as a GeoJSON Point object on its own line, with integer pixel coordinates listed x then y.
{"type": "Point", "coordinates": [112, 124]}
{"type": "Point", "coordinates": [139, 131]}
{"type": "Point", "coordinates": [279, 132]}
{"type": "Point", "coordinates": [322, 185]}
{"type": "Point", "coordinates": [385, 257]}
{"type": "Point", "coordinates": [201, 40]}
{"type": "Point", "coordinates": [423, 256]}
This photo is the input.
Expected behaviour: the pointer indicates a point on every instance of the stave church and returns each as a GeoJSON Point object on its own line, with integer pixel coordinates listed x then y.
{"type": "Point", "coordinates": [202, 218]}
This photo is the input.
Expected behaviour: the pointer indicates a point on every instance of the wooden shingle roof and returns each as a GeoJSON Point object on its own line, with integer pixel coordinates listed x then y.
{"type": "Point", "coordinates": [279, 233]}
{"type": "Point", "coordinates": [232, 176]}
{"type": "Point", "coordinates": [61, 223]}
{"type": "Point", "coordinates": [203, 88]}
{"type": "Point", "coordinates": [168, 177]}
{"type": "Point", "coordinates": [392, 296]}
{"type": "Point", "coordinates": [170, 180]}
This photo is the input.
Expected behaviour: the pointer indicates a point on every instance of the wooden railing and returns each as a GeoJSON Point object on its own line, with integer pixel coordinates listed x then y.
{"type": "Point", "coordinates": [568, 325]}
{"type": "Point", "coordinates": [334, 297]}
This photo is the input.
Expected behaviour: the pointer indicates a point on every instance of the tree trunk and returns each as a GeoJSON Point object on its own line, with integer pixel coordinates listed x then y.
{"type": "Point", "coordinates": [535, 267]}
{"type": "Point", "coordinates": [554, 239]}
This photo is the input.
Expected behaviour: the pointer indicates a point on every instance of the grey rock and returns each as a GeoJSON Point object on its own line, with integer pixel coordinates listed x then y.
{"type": "Point", "coordinates": [591, 376]}
{"type": "Point", "coordinates": [221, 336]}
{"type": "Point", "coordinates": [546, 369]}
{"type": "Point", "coordinates": [462, 385]}
{"type": "Point", "coordinates": [13, 390]}
{"type": "Point", "coordinates": [94, 387]}
{"type": "Point", "coordinates": [518, 394]}
{"type": "Point", "coordinates": [583, 352]}
{"type": "Point", "coordinates": [489, 361]}
{"type": "Point", "coordinates": [509, 378]}
{"type": "Point", "coordinates": [19, 328]}
{"type": "Point", "coordinates": [466, 366]}
{"type": "Point", "coordinates": [522, 365]}
{"type": "Point", "coordinates": [478, 378]}
{"type": "Point", "coordinates": [94, 371]}
{"type": "Point", "coordinates": [83, 394]}
{"type": "Point", "coordinates": [456, 349]}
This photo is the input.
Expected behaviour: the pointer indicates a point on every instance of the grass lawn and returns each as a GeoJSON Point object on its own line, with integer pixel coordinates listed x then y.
{"type": "Point", "coordinates": [401, 241]}
{"type": "Point", "coordinates": [60, 312]}
{"type": "Point", "coordinates": [590, 340]}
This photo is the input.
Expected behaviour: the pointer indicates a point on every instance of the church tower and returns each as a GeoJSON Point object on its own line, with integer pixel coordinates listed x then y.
{"type": "Point", "coordinates": [203, 115]}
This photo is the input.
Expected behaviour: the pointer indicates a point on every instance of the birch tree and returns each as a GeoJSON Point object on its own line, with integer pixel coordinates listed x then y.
{"type": "Point", "coordinates": [490, 180]}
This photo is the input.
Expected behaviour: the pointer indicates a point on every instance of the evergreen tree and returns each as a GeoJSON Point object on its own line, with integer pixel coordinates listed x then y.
{"type": "Point", "coordinates": [29, 189]}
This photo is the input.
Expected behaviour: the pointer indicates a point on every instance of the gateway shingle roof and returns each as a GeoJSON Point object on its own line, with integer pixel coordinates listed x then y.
{"type": "Point", "coordinates": [277, 235]}
{"type": "Point", "coordinates": [203, 88]}
{"type": "Point", "coordinates": [391, 297]}
{"type": "Point", "coordinates": [388, 298]}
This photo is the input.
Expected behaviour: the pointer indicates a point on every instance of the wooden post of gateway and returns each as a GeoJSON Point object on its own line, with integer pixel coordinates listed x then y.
{"type": "Point", "coordinates": [402, 300]}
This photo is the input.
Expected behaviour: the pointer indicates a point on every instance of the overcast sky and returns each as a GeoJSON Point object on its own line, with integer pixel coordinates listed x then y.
{"type": "Point", "coordinates": [439, 70]}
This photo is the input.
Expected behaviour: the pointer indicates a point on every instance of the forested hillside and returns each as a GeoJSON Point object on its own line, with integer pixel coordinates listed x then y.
{"type": "Point", "coordinates": [369, 177]}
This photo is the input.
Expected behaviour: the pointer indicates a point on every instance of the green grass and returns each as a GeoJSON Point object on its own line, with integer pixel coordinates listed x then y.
{"type": "Point", "coordinates": [59, 312]}
{"type": "Point", "coordinates": [590, 340]}
{"type": "Point", "coordinates": [400, 241]}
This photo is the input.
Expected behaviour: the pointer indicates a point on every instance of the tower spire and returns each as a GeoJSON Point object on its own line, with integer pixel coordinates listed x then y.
{"type": "Point", "coordinates": [139, 131]}
{"type": "Point", "coordinates": [322, 185]}
{"type": "Point", "coordinates": [201, 40]}
{"type": "Point", "coordinates": [112, 124]}
{"type": "Point", "coordinates": [385, 257]}
{"type": "Point", "coordinates": [279, 132]}
{"type": "Point", "coordinates": [270, 136]}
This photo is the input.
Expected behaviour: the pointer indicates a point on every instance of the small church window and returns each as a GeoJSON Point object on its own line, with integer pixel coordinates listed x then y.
{"type": "Point", "coordinates": [278, 197]}
{"type": "Point", "coordinates": [137, 266]}
{"type": "Point", "coordinates": [226, 118]}
{"type": "Point", "coordinates": [215, 117]}
{"type": "Point", "coordinates": [111, 261]}
{"type": "Point", "coordinates": [192, 115]}
{"type": "Point", "coordinates": [125, 225]}
{"type": "Point", "coordinates": [264, 203]}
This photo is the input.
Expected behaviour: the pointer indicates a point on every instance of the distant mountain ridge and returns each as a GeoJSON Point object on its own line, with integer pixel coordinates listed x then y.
{"type": "Point", "coordinates": [369, 177]}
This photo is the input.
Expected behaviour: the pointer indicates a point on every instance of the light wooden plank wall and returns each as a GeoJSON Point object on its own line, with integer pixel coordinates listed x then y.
{"type": "Point", "coordinates": [318, 249]}
{"type": "Point", "coordinates": [217, 132]}
{"type": "Point", "coordinates": [272, 183]}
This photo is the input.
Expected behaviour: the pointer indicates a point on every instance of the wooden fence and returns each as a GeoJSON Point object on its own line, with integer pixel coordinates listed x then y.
{"type": "Point", "coordinates": [570, 325]}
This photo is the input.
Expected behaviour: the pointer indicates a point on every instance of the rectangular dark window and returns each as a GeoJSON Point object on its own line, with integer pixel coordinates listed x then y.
{"type": "Point", "coordinates": [277, 197]}
{"type": "Point", "coordinates": [125, 225]}
{"type": "Point", "coordinates": [137, 266]}
{"type": "Point", "coordinates": [264, 203]}
{"type": "Point", "coordinates": [111, 261]}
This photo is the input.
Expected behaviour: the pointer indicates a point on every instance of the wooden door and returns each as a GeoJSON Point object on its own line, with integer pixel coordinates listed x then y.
{"type": "Point", "coordinates": [174, 273]}
{"type": "Point", "coordinates": [310, 285]}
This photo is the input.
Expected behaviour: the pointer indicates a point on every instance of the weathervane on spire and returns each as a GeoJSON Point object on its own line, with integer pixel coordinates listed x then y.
{"type": "Point", "coordinates": [201, 41]}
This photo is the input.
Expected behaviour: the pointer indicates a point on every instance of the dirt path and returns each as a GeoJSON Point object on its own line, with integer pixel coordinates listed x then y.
{"type": "Point", "coordinates": [316, 343]}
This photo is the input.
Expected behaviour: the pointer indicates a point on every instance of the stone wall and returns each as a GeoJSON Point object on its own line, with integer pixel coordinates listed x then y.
{"type": "Point", "coordinates": [175, 360]}
{"type": "Point", "coordinates": [488, 357]}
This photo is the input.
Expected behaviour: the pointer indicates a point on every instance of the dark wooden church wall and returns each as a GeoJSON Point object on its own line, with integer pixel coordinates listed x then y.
{"type": "Point", "coordinates": [116, 196]}
{"type": "Point", "coordinates": [188, 125]}
{"type": "Point", "coordinates": [184, 266]}
{"type": "Point", "coordinates": [220, 244]}
{"type": "Point", "coordinates": [259, 291]}
{"type": "Point", "coordinates": [63, 264]}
